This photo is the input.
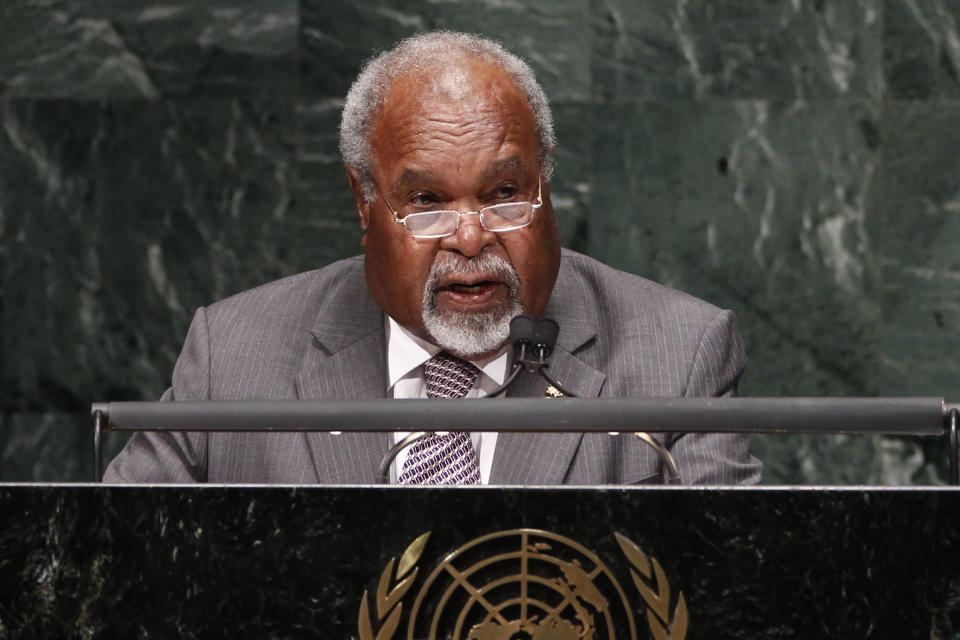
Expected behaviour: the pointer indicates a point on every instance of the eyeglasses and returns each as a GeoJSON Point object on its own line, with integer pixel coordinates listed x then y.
{"type": "Point", "coordinates": [443, 222]}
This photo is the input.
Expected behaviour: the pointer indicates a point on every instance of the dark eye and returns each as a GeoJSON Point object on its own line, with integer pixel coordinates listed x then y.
{"type": "Point", "coordinates": [423, 200]}
{"type": "Point", "coordinates": [505, 192]}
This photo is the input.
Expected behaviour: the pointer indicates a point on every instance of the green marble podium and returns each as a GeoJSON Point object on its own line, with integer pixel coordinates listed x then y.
{"type": "Point", "coordinates": [486, 563]}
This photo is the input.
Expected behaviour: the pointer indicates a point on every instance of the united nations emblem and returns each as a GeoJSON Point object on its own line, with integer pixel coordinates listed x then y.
{"type": "Point", "coordinates": [522, 584]}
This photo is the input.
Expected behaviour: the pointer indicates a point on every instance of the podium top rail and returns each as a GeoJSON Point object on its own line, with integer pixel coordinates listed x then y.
{"type": "Point", "coordinates": [892, 416]}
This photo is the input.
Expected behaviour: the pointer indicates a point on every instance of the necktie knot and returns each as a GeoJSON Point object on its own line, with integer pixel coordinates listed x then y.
{"type": "Point", "coordinates": [447, 376]}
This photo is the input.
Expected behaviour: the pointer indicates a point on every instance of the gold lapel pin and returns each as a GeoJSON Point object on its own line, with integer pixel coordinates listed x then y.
{"type": "Point", "coordinates": [553, 392]}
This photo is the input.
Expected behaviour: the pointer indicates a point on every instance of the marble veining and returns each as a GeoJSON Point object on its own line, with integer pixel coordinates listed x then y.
{"type": "Point", "coordinates": [792, 160]}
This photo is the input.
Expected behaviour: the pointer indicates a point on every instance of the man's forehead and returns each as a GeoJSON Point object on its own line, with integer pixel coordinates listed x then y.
{"type": "Point", "coordinates": [420, 100]}
{"type": "Point", "coordinates": [482, 124]}
{"type": "Point", "coordinates": [495, 169]}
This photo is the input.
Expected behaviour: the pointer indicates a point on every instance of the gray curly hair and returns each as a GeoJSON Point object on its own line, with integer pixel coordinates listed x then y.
{"type": "Point", "coordinates": [437, 48]}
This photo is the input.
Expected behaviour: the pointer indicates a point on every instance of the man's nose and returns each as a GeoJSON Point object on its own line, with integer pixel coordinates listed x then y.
{"type": "Point", "coordinates": [470, 237]}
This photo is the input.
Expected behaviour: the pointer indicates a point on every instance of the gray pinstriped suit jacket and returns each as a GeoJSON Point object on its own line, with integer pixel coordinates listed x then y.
{"type": "Point", "coordinates": [320, 335]}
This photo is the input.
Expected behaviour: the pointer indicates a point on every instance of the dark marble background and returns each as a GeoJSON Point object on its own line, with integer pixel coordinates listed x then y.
{"type": "Point", "coordinates": [794, 160]}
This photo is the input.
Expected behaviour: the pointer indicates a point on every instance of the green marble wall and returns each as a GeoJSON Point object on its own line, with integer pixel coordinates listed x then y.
{"type": "Point", "coordinates": [790, 159]}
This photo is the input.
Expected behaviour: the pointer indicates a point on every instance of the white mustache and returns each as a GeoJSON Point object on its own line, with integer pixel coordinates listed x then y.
{"type": "Point", "coordinates": [486, 264]}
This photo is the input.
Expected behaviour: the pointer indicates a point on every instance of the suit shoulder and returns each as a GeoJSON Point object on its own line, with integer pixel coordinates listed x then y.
{"type": "Point", "coordinates": [285, 311]}
{"type": "Point", "coordinates": [257, 339]}
{"type": "Point", "coordinates": [316, 283]}
{"type": "Point", "coordinates": [649, 339]}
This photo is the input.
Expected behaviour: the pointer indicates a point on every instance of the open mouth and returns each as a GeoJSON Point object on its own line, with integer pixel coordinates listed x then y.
{"type": "Point", "coordinates": [478, 285]}
{"type": "Point", "coordinates": [472, 288]}
{"type": "Point", "coordinates": [472, 293]}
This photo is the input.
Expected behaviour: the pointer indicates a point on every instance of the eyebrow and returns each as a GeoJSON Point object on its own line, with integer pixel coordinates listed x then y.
{"type": "Point", "coordinates": [513, 162]}
{"type": "Point", "coordinates": [412, 176]}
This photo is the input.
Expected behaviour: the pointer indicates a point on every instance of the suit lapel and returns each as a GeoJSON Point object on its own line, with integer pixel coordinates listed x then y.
{"type": "Point", "coordinates": [346, 361]}
{"type": "Point", "coordinates": [545, 458]}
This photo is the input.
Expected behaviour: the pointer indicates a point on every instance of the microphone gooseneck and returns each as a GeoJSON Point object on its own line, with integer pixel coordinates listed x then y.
{"type": "Point", "coordinates": [517, 368]}
{"type": "Point", "coordinates": [533, 342]}
{"type": "Point", "coordinates": [544, 340]}
{"type": "Point", "coordinates": [521, 336]}
{"type": "Point", "coordinates": [383, 474]}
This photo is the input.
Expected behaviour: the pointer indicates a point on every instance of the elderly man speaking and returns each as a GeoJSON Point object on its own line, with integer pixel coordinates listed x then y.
{"type": "Point", "coordinates": [448, 140]}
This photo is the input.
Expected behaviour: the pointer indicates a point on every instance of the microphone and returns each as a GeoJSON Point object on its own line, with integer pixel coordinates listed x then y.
{"type": "Point", "coordinates": [530, 348]}
{"type": "Point", "coordinates": [533, 343]}
{"type": "Point", "coordinates": [522, 330]}
{"type": "Point", "coordinates": [545, 338]}
{"type": "Point", "coordinates": [521, 335]}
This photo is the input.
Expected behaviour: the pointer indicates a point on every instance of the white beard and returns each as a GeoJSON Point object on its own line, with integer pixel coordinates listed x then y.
{"type": "Point", "coordinates": [469, 334]}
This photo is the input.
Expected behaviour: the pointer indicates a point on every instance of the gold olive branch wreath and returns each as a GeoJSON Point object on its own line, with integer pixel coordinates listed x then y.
{"type": "Point", "coordinates": [655, 591]}
{"type": "Point", "coordinates": [390, 592]}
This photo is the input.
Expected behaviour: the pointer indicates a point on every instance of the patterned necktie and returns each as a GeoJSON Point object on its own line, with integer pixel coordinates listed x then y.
{"type": "Point", "coordinates": [448, 458]}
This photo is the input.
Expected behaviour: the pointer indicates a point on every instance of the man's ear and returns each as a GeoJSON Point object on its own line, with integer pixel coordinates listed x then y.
{"type": "Point", "coordinates": [363, 207]}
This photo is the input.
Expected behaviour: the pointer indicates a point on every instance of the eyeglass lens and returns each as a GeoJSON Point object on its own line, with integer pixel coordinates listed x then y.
{"type": "Point", "coordinates": [500, 217]}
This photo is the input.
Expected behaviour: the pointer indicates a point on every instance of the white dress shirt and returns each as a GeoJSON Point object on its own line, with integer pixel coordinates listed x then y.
{"type": "Point", "coordinates": [406, 354]}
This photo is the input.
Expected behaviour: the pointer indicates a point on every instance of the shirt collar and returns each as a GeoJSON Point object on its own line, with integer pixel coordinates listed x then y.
{"type": "Point", "coordinates": [406, 352]}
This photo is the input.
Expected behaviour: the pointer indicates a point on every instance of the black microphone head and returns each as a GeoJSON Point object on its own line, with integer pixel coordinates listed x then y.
{"type": "Point", "coordinates": [521, 328]}
{"type": "Point", "coordinates": [545, 334]}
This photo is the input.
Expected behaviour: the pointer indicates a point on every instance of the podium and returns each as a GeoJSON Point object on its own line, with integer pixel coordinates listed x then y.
{"type": "Point", "coordinates": [384, 562]}
{"type": "Point", "coordinates": [380, 562]}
